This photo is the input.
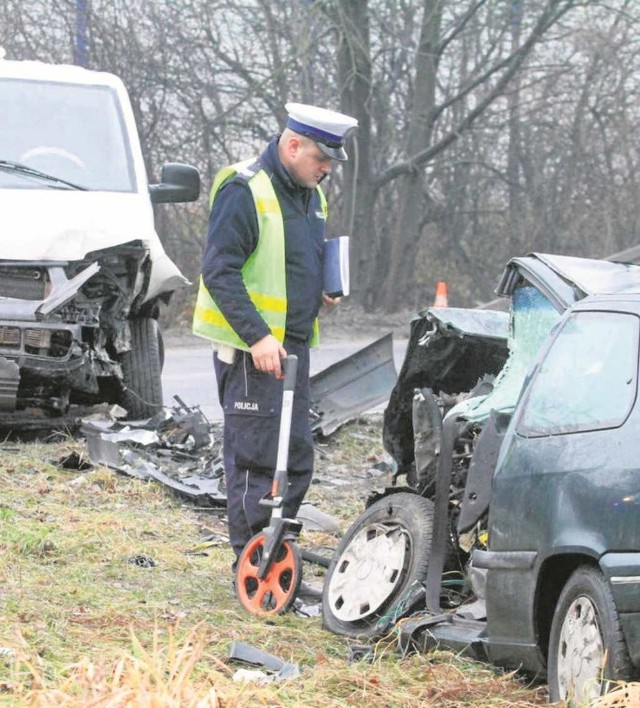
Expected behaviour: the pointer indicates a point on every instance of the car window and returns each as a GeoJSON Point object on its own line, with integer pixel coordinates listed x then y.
{"type": "Point", "coordinates": [71, 131]}
{"type": "Point", "coordinates": [588, 379]}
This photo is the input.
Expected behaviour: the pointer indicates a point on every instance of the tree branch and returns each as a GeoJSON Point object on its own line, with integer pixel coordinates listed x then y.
{"type": "Point", "coordinates": [551, 14]}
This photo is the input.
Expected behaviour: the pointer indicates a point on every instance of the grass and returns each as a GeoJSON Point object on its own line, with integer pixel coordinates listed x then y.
{"type": "Point", "coordinates": [84, 622]}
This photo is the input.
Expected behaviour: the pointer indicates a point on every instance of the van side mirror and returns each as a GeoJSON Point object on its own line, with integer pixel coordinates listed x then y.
{"type": "Point", "coordinates": [179, 183]}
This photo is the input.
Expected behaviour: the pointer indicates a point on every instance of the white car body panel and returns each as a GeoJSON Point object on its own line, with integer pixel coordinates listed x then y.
{"type": "Point", "coordinates": [56, 224]}
{"type": "Point", "coordinates": [69, 224]}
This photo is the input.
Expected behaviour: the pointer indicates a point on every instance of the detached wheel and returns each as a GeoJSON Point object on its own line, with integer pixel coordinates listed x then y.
{"type": "Point", "coordinates": [384, 551]}
{"type": "Point", "coordinates": [142, 370]}
{"type": "Point", "coordinates": [586, 648]}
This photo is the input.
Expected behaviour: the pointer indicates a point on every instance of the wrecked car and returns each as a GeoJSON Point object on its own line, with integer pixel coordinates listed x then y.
{"type": "Point", "coordinates": [516, 534]}
{"type": "Point", "coordinates": [82, 269]}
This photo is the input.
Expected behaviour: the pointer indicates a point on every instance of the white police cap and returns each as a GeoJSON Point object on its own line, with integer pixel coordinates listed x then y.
{"type": "Point", "coordinates": [327, 128]}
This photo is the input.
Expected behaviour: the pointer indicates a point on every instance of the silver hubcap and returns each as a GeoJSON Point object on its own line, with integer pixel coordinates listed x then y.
{"type": "Point", "coordinates": [368, 572]}
{"type": "Point", "coordinates": [581, 652]}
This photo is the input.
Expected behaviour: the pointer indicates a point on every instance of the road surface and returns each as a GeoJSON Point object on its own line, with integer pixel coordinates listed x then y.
{"type": "Point", "coordinates": [188, 369]}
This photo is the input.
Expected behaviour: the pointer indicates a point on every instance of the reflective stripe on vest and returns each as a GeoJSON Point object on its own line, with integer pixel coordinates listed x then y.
{"type": "Point", "coordinates": [263, 273]}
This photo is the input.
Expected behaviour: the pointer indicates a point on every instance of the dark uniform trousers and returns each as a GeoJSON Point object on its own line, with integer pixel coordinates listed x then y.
{"type": "Point", "coordinates": [252, 402]}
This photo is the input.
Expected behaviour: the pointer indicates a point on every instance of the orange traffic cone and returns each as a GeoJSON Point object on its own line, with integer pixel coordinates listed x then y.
{"type": "Point", "coordinates": [441, 294]}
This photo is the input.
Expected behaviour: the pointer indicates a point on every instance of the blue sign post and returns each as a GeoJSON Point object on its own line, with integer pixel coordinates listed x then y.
{"type": "Point", "coordinates": [80, 53]}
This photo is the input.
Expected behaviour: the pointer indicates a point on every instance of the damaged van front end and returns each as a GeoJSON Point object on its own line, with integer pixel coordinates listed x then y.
{"type": "Point", "coordinates": [64, 326]}
{"type": "Point", "coordinates": [82, 269]}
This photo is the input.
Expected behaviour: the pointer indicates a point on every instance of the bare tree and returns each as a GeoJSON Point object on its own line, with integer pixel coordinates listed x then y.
{"type": "Point", "coordinates": [486, 128]}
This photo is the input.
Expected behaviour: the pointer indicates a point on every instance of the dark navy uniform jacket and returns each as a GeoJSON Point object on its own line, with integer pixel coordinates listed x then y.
{"type": "Point", "coordinates": [251, 400]}
{"type": "Point", "coordinates": [233, 235]}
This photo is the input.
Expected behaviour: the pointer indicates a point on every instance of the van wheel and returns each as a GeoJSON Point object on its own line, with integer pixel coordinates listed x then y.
{"type": "Point", "coordinates": [586, 648]}
{"type": "Point", "coordinates": [374, 570]}
{"type": "Point", "coordinates": [141, 370]}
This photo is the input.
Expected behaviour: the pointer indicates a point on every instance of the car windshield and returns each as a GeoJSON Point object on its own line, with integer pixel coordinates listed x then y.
{"type": "Point", "coordinates": [532, 318]}
{"type": "Point", "coordinates": [74, 132]}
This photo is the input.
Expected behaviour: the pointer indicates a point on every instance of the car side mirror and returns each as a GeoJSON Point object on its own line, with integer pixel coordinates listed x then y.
{"type": "Point", "coordinates": [179, 183]}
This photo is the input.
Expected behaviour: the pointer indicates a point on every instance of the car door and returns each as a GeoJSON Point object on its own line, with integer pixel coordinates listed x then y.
{"type": "Point", "coordinates": [566, 481]}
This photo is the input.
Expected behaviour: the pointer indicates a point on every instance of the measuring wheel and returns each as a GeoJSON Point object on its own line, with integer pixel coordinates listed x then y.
{"type": "Point", "coordinates": [275, 592]}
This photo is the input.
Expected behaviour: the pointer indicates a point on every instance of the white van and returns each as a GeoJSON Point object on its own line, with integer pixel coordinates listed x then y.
{"type": "Point", "coordinates": [82, 270]}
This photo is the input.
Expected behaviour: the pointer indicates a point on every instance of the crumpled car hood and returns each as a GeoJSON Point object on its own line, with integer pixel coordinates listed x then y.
{"type": "Point", "coordinates": [65, 225]}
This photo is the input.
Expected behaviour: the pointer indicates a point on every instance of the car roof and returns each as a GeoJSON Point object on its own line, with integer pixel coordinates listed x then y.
{"type": "Point", "coordinates": [567, 279]}
{"type": "Point", "coordinates": [594, 277]}
{"type": "Point", "coordinates": [62, 73]}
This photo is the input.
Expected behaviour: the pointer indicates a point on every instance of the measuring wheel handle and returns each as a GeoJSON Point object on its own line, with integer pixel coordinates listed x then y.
{"type": "Point", "coordinates": [269, 569]}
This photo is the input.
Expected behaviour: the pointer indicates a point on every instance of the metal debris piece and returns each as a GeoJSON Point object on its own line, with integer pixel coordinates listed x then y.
{"type": "Point", "coordinates": [142, 561]}
{"type": "Point", "coordinates": [306, 609]}
{"type": "Point", "coordinates": [352, 386]}
{"type": "Point", "coordinates": [210, 541]}
{"type": "Point", "coordinates": [360, 652]}
{"type": "Point", "coordinates": [308, 602]}
{"type": "Point", "coordinates": [247, 654]}
{"type": "Point", "coordinates": [188, 426]}
{"type": "Point", "coordinates": [315, 520]}
{"type": "Point", "coordinates": [251, 676]}
{"type": "Point", "coordinates": [74, 461]}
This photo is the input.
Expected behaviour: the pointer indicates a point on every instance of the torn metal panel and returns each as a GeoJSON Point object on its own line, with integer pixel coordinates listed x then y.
{"type": "Point", "coordinates": [449, 351]}
{"type": "Point", "coordinates": [65, 289]}
{"type": "Point", "coordinates": [427, 430]}
{"type": "Point", "coordinates": [198, 487]}
{"type": "Point", "coordinates": [460, 322]}
{"type": "Point", "coordinates": [352, 386]}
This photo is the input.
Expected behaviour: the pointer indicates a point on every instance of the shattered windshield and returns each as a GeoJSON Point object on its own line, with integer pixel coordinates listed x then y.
{"type": "Point", "coordinates": [532, 317]}
{"type": "Point", "coordinates": [74, 132]}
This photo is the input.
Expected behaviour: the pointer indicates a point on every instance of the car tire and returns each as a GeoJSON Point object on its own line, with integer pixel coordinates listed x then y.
{"type": "Point", "coordinates": [379, 566]}
{"type": "Point", "coordinates": [586, 647]}
{"type": "Point", "coordinates": [142, 370]}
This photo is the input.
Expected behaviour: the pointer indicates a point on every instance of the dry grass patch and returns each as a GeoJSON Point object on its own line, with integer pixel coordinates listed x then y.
{"type": "Point", "coordinates": [103, 602]}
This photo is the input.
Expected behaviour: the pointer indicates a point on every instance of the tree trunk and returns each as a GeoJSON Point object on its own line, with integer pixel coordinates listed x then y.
{"type": "Point", "coordinates": [354, 76]}
{"type": "Point", "coordinates": [513, 149]}
{"type": "Point", "coordinates": [402, 243]}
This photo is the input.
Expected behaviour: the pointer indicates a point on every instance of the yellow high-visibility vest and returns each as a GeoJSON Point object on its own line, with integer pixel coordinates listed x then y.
{"type": "Point", "coordinates": [264, 272]}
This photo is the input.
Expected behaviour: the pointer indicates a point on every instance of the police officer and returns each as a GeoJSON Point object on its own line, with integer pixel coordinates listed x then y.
{"type": "Point", "coordinates": [259, 297]}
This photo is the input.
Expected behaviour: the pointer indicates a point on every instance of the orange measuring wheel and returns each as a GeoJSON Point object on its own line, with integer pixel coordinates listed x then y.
{"type": "Point", "coordinates": [275, 592]}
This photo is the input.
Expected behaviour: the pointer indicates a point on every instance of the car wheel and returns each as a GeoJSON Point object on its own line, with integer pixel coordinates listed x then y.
{"type": "Point", "coordinates": [586, 647]}
{"type": "Point", "coordinates": [382, 554]}
{"type": "Point", "coordinates": [141, 370]}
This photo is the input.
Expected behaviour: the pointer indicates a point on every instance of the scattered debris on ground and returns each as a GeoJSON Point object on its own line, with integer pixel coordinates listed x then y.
{"type": "Point", "coordinates": [179, 448]}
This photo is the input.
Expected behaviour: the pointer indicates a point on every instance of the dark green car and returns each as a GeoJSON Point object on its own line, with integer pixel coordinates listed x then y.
{"type": "Point", "coordinates": [517, 534]}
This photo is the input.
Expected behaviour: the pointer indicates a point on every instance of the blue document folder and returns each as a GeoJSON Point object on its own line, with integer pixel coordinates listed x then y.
{"type": "Point", "coordinates": [336, 266]}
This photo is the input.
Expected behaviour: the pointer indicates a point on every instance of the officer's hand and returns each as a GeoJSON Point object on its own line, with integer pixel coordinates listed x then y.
{"type": "Point", "coordinates": [267, 353]}
{"type": "Point", "coordinates": [329, 302]}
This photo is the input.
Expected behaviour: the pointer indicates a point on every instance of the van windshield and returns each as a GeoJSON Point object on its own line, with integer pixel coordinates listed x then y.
{"type": "Point", "coordinates": [74, 132]}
